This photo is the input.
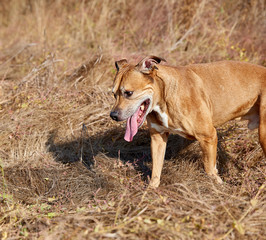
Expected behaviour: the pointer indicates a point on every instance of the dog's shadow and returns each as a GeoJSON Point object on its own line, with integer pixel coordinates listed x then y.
{"type": "Point", "coordinates": [111, 143]}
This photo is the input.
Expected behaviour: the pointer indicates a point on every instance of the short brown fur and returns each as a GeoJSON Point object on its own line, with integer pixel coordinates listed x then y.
{"type": "Point", "coordinates": [191, 101]}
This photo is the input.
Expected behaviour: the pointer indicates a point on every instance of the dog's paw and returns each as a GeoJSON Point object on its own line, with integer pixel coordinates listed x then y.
{"type": "Point", "coordinates": [216, 178]}
{"type": "Point", "coordinates": [154, 183]}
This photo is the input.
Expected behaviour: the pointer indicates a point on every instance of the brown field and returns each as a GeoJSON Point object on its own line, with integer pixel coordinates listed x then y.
{"type": "Point", "coordinates": [67, 173]}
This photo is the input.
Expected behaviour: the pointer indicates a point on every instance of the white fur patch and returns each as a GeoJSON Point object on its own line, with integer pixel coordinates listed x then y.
{"type": "Point", "coordinates": [157, 127]}
{"type": "Point", "coordinates": [162, 115]}
{"type": "Point", "coordinates": [179, 130]}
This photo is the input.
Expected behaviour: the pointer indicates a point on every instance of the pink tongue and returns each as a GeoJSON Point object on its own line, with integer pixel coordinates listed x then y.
{"type": "Point", "coordinates": [132, 126]}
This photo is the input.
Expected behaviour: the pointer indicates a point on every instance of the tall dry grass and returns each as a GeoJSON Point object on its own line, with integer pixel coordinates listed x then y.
{"type": "Point", "coordinates": [66, 171]}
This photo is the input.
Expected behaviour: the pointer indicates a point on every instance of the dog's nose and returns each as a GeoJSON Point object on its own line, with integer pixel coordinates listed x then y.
{"type": "Point", "coordinates": [114, 115]}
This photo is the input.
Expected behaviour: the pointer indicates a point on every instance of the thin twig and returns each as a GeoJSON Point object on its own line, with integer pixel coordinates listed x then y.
{"type": "Point", "coordinates": [17, 53]}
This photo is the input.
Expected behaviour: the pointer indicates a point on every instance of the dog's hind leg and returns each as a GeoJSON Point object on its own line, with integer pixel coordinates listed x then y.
{"type": "Point", "coordinates": [208, 143]}
{"type": "Point", "coordinates": [262, 126]}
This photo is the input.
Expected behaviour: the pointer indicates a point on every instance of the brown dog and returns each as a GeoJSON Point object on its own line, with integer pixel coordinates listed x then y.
{"type": "Point", "coordinates": [189, 101]}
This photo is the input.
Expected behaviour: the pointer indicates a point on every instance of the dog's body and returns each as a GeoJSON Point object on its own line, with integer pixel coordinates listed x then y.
{"type": "Point", "coordinates": [189, 101]}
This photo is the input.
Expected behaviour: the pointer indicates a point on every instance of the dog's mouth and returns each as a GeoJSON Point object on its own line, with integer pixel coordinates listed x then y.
{"type": "Point", "coordinates": [136, 120]}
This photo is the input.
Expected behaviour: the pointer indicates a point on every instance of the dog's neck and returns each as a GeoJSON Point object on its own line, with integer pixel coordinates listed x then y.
{"type": "Point", "coordinates": [159, 87]}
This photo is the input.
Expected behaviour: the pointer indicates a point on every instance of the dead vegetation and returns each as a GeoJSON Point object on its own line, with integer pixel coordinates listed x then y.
{"type": "Point", "coordinates": [66, 171]}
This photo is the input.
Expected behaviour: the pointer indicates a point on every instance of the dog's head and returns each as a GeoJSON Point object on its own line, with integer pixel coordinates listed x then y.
{"type": "Point", "coordinates": [133, 90]}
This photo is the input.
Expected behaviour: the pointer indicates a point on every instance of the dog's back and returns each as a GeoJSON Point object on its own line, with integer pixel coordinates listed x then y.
{"type": "Point", "coordinates": [226, 85]}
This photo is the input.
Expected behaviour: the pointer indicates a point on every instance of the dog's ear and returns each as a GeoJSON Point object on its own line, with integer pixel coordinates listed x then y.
{"type": "Point", "coordinates": [148, 64]}
{"type": "Point", "coordinates": [120, 63]}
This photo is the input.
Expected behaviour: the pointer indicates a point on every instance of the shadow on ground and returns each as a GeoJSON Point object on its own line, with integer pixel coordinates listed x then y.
{"type": "Point", "coordinates": [111, 144]}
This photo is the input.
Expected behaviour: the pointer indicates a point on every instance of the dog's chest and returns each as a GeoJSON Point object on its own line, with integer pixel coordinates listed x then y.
{"type": "Point", "coordinates": [162, 116]}
{"type": "Point", "coordinates": [160, 122]}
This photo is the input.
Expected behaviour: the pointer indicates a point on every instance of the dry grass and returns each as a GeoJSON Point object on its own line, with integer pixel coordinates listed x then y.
{"type": "Point", "coordinates": [66, 171]}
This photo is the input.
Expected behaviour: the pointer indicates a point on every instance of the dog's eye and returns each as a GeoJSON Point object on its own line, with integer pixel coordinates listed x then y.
{"type": "Point", "coordinates": [128, 93]}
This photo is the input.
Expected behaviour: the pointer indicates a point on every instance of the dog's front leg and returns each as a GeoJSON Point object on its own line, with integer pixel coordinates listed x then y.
{"type": "Point", "coordinates": [158, 146]}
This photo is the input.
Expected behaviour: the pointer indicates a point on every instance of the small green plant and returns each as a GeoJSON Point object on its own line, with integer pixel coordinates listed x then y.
{"type": "Point", "coordinates": [240, 52]}
{"type": "Point", "coordinates": [4, 194]}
